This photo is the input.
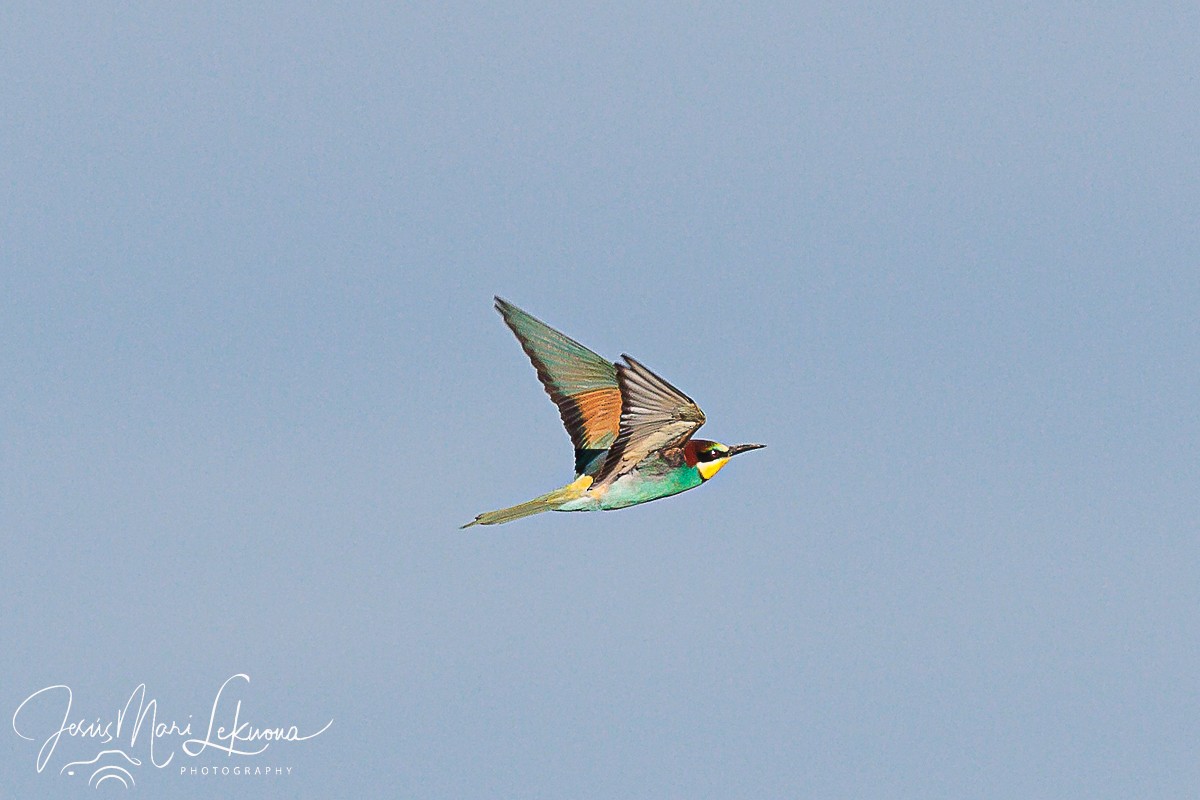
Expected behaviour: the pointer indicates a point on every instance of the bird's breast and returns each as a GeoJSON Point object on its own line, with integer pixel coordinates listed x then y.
{"type": "Point", "coordinates": [641, 485]}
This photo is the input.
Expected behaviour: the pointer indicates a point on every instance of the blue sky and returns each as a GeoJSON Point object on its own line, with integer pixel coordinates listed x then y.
{"type": "Point", "coordinates": [941, 259]}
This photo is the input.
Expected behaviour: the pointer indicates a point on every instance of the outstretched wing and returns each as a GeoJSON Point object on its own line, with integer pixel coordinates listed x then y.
{"type": "Point", "coordinates": [654, 415]}
{"type": "Point", "coordinates": [581, 383]}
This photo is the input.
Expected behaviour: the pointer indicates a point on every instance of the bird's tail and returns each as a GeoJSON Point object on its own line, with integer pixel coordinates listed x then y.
{"type": "Point", "coordinates": [537, 505]}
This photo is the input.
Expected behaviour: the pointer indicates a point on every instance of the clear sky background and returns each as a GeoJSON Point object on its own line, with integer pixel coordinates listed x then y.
{"type": "Point", "coordinates": [943, 260]}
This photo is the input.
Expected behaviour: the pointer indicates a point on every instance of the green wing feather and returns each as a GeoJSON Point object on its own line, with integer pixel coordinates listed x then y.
{"type": "Point", "coordinates": [581, 383]}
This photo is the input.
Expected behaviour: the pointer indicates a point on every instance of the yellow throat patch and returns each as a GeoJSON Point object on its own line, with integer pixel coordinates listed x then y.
{"type": "Point", "coordinates": [710, 468]}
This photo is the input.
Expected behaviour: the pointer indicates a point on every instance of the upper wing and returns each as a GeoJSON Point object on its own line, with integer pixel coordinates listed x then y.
{"type": "Point", "coordinates": [581, 383]}
{"type": "Point", "coordinates": [654, 415]}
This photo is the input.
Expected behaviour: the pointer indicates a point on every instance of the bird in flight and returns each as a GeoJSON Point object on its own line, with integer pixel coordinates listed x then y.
{"type": "Point", "coordinates": [631, 429]}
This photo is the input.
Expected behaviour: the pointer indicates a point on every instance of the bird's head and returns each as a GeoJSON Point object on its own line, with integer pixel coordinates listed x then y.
{"type": "Point", "coordinates": [708, 457]}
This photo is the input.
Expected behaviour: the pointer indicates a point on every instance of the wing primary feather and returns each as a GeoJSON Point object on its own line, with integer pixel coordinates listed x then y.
{"type": "Point", "coordinates": [581, 383]}
{"type": "Point", "coordinates": [654, 415]}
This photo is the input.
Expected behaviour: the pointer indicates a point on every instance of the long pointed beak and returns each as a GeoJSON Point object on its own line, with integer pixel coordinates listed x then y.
{"type": "Point", "coordinates": [741, 448]}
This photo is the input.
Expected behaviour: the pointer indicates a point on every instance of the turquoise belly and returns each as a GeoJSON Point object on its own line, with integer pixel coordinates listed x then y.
{"type": "Point", "coordinates": [639, 486]}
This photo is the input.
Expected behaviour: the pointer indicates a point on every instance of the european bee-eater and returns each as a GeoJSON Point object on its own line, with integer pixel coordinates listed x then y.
{"type": "Point", "coordinates": [631, 429]}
